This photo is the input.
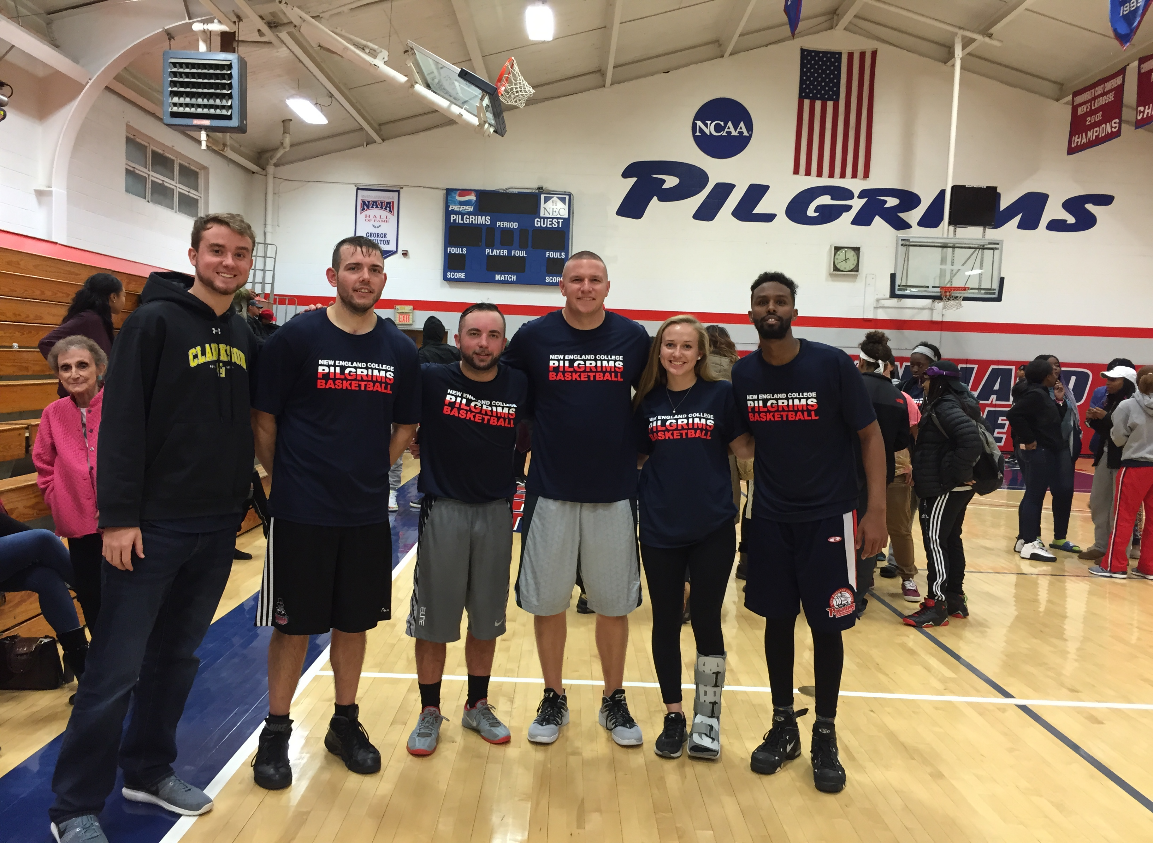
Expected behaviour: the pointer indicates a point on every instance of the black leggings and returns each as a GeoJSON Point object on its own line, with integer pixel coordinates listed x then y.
{"type": "Point", "coordinates": [87, 557]}
{"type": "Point", "coordinates": [828, 659]}
{"type": "Point", "coordinates": [709, 562]}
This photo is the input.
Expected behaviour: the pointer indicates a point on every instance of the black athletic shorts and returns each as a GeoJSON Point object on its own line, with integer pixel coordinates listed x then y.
{"type": "Point", "coordinates": [807, 564]}
{"type": "Point", "coordinates": [320, 578]}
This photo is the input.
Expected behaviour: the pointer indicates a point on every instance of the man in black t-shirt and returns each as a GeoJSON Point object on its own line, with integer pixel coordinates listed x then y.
{"type": "Point", "coordinates": [808, 410]}
{"type": "Point", "coordinates": [469, 412]}
{"type": "Point", "coordinates": [333, 383]}
{"type": "Point", "coordinates": [582, 362]}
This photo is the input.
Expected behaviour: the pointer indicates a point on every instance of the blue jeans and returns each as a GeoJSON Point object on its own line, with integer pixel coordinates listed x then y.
{"type": "Point", "coordinates": [1045, 470]}
{"type": "Point", "coordinates": [35, 560]}
{"type": "Point", "coordinates": [152, 619]}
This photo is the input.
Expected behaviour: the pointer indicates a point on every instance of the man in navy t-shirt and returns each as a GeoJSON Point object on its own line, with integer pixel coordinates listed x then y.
{"type": "Point", "coordinates": [469, 413]}
{"type": "Point", "coordinates": [582, 363]}
{"type": "Point", "coordinates": [332, 385]}
{"type": "Point", "coordinates": [809, 413]}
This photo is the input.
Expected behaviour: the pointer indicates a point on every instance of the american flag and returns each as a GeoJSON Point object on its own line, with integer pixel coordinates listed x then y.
{"type": "Point", "coordinates": [835, 114]}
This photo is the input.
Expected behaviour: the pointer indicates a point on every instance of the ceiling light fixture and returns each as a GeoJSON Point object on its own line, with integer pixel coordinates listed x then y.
{"type": "Point", "coordinates": [538, 21]}
{"type": "Point", "coordinates": [306, 110]}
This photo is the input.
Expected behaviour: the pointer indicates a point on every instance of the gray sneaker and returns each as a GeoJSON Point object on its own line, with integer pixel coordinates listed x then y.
{"type": "Point", "coordinates": [482, 719]}
{"type": "Point", "coordinates": [614, 716]}
{"type": "Point", "coordinates": [423, 739]}
{"type": "Point", "coordinates": [173, 794]}
{"type": "Point", "coordinates": [551, 714]}
{"type": "Point", "coordinates": [85, 829]}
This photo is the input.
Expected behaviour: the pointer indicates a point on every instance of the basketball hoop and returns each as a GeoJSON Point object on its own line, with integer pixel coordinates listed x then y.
{"type": "Point", "coordinates": [953, 297]}
{"type": "Point", "coordinates": [511, 87]}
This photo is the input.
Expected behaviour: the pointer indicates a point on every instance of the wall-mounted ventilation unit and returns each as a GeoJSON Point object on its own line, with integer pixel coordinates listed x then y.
{"type": "Point", "coordinates": [205, 91]}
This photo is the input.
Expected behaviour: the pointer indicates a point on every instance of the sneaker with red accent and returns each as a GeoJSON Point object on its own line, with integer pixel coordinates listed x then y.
{"type": "Point", "coordinates": [910, 591]}
{"type": "Point", "coordinates": [957, 605]}
{"type": "Point", "coordinates": [931, 613]}
{"type": "Point", "coordinates": [424, 737]}
{"type": "Point", "coordinates": [482, 719]}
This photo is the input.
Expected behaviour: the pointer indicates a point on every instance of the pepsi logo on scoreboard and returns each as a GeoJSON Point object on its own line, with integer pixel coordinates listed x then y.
{"type": "Point", "coordinates": [506, 236]}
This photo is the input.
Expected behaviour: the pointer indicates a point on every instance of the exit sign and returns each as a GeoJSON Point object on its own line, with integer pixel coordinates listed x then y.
{"type": "Point", "coordinates": [403, 314]}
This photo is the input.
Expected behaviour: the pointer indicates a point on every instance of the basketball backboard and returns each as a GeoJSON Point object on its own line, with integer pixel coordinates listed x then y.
{"type": "Point", "coordinates": [926, 264]}
{"type": "Point", "coordinates": [459, 86]}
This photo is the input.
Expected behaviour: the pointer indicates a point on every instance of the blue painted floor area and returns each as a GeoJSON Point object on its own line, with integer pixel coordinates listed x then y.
{"type": "Point", "coordinates": [228, 702]}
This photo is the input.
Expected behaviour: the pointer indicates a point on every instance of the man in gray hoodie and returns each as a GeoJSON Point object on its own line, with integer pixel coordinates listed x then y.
{"type": "Point", "coordinates": [1133, 431]}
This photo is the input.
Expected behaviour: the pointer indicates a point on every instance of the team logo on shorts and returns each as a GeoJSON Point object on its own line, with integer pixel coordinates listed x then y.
{"type": "Point", "coordinates": [835, 539]}
{"type": "Point", "coordinates": [279, 616]}
{"type": "Point", "coordinates": [841, 603]}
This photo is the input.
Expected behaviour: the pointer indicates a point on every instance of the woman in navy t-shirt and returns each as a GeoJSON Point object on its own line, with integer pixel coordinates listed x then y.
{"type": "Point", "coordinates": [685, 423]}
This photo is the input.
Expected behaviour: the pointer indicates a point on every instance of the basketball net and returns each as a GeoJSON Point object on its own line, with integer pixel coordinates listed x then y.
{"type": "Point", "coordinates": [952, 298]}
{"type": "Point", "coordinates": [511, 87]}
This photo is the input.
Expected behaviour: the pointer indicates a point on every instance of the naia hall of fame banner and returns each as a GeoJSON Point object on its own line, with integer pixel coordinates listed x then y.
{"type": "Point", "coordinates": [378, 217]}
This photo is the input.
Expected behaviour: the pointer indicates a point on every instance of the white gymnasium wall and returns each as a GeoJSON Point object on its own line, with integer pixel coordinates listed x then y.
{"type": "Point", "coordinates": [666, 261]}
{"type": "Point", "coordinates": [104, 218]}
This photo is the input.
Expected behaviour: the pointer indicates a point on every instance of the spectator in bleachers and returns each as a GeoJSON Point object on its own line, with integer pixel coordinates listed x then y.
{"type": "Point", "coordinates": [89, 315]}
{"type": "Point", "coordinates": [35, 560]}
{"type": "Point", "coordinates": [65, 459]}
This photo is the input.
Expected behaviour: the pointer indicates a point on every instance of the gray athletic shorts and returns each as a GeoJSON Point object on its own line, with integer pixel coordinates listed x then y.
{"type": "Point", "coordinates": [463, 557]}
{"type": "Point", "coordinates": [558, 537]}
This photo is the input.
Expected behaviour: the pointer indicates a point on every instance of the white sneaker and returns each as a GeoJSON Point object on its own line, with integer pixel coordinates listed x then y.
{"type": "Point", "coordinates": [393, 506]}
{"type": "Point", "coordinates": [1036, 551]}
{"type": "Point", "coordinates": [1020, 544]}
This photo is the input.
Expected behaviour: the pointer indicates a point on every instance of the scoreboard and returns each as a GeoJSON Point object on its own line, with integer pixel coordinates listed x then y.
{"type": "Point", "coordinates": [506, 237]}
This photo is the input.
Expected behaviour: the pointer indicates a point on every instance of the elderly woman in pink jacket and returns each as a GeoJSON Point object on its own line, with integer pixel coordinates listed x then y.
{"type": "Point", "coordinates": [65, 458]}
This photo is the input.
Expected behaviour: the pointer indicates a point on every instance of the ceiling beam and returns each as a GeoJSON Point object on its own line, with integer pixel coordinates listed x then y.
{"type": "Point", "coordinates": [262, 30]}
{"type": "Point", "coordinates": [846, 13]}
{"type": "Point", "coordinates": [215, 11]}
{"type": "Point", "coordinates": [940, 24]}
{"type": "Point", "coordinates": [26, 42]}
{"type": "Point", "coordinates": [464, 19]}
{"type": "Point", "coordinates": [306, 54]}
{"type": "Point", "coordinates": [994, 23]}
{"type": "Point", "coordinates": [731, 28]}
{"type": "Point", "coordinates": [1131, 55]}
{"type": "Point", "coordinates": [612, 32]}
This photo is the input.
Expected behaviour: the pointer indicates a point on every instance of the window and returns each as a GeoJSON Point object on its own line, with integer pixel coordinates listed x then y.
{"type": "Point", "coordinates": [160, 177]}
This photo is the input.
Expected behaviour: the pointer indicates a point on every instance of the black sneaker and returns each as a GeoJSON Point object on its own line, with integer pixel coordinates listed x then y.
{"type": "Point", "coordinates": [672, 740]}
{"type": "Point", "coordinates": [930, 614]}
{"type": "Point", "coordinates": [742, 568]}
{"type": "Point", "coordinates": [828, 774]}
{"type": "Point", "coordinates": [583, 606]}
{"type": "Point", "coordinates": [347, 738]}
{"type": "Point", "coordinates": [957, 605]}
{"type": "Point", "coordinates": [782, 743]}
{"type": "Point", "coordinates": [889, 571]}
{"type": "Point", "coordinates": [270, 767]}
{"type": "Point", "coordinates": [239, 554]}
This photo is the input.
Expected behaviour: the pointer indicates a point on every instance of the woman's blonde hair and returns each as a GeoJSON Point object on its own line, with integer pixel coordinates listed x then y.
{"type": "Point", "coordinates": [654, 373]}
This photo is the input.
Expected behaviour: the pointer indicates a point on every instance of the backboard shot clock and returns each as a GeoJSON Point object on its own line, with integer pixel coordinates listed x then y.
{"type": "Point", "coordinates": [846, 260]}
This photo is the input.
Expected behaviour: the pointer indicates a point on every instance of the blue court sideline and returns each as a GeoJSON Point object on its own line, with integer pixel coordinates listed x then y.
{"type": "Point", "coordinates": [227, 704]}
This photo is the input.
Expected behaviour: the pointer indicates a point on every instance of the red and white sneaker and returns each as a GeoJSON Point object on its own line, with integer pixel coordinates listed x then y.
{"type": "Point", "coordinates": [910, 592]}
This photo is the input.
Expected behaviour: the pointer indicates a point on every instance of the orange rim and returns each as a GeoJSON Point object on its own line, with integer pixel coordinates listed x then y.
{"type": "Point", "coordinates": [502, 77]}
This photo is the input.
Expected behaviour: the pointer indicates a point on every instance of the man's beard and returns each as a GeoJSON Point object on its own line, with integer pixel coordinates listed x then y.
{"type": "Point", "coordinates": [357, 308]}
{"type": "Point", "coordinates": [472, 362]}
{"type": "Point", "coordinates": [214, 286]}
{"type": "Point", "coordinates": [769, 332]}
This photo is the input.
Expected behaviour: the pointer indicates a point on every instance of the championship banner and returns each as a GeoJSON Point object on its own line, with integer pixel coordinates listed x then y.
{"type": "Point", "coordinates": [1144, 92]}
{"type": "Point", "coordinates": [1125, 16]}
{"type": "Point", "coordinates": [793, 14]}
{"type": "Point", "coordinates": [1096, 114]}
{"type": "Point", "coordinates": [378, 217]}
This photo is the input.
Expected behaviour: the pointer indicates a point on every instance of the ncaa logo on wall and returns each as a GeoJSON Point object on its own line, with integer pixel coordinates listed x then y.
{"type": "Point", "coordinates": [722, 128]}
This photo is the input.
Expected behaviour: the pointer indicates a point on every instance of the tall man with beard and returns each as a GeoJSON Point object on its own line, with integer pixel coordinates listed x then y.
{"type": "Point", "coordinates": [469, 414]}
{"type": "Point", "coordinates": [175, 468]}
{"type": "Point", "coordinates": [333, 384]}
{"type": "Point", "coordinates": [808, 410]}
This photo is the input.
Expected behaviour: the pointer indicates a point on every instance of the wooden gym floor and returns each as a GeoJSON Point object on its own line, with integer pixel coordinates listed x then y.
{"type": "Point", "coordinates": [1030, 721]}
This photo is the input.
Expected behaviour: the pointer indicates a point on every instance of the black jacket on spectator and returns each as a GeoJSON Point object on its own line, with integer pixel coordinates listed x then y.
{"type": "Point", "coordinates": [1035, 417]}
{"type": "Point", "coordinates": [175, 434]}
{"type": "Point", "coordinates": [892, 416]}
{"type": "Point", "coordinates": [1107, 449]}
{"type": "Point", "coordinates": [945, 460]}
{"type": "Point", "coordinates": [433, 348]}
